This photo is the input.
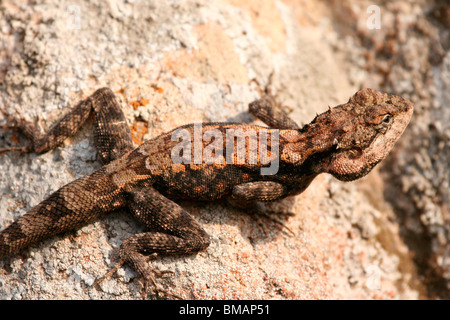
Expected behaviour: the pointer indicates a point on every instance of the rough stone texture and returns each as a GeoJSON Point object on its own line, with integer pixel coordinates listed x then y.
{"type": "Point", "coordinates": [174, 62]}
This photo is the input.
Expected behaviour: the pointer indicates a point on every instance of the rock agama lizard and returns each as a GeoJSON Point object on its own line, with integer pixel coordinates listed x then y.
{"type": "Point", "coordinates": [346, 141]}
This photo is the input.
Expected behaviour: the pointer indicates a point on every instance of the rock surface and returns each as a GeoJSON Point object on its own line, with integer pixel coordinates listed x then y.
{"type": "Point", "coordinates": [175, 62]}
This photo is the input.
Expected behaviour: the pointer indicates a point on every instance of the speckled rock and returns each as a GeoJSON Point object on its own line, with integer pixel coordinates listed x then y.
{"type": "Point", "coordinates": [175, 62]}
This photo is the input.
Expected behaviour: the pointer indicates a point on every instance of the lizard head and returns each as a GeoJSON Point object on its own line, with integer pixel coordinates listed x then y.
{"type": "Point", "coordinates": [364, 131]}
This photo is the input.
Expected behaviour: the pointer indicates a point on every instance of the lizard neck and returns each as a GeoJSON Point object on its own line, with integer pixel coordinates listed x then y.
{"type": "Point", "coordinates": [297, 147]}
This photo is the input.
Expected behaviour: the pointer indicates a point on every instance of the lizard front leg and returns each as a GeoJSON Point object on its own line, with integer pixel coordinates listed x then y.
{"type": "Point", "coordinates": [173, 231]}
{"type": "Point", "coordinates": [259, 191]}
{"type": "Point", "coordinates": [266, 110]}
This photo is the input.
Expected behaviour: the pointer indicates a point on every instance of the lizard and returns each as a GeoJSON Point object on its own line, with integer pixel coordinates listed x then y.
{"type": "Point", "coordinates": [346, 141]}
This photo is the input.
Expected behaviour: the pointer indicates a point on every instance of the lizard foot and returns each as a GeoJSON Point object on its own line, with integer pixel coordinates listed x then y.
{"type": "Point", "coordinates": [14, 124]}
{"type": "Point", "coordinates": [148, 276]}
{"type": "Point", "coordinates": [148, 279]}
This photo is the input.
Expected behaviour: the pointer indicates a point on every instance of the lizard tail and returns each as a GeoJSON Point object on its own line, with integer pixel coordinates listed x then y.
{"type": "Point", "coordinates": [72, 206]}
{"type": "Point", "coordinates": [13, 239]}
{"type": "Point", "coordinates": [37, 224]}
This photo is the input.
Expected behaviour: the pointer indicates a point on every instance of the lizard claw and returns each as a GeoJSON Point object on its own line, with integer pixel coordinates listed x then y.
{"type": "Point", "coordinates": [109, 273]}
{"type": "Point", "coordinates": [20, 149]}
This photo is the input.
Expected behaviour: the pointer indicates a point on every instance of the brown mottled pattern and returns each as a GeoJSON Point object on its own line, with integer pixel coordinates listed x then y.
{"type": "Point", "coordinates": [346, 141]}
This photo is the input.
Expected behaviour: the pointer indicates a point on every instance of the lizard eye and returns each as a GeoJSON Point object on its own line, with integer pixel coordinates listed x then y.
{"type": "Point", "coordinates": [384, 124]}
{"type": "Point", "coordinates": [387, 119]}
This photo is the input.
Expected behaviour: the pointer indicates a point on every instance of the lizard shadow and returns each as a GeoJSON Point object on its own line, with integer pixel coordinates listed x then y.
{"type": "Point", "coordinates": [258, 226]}
{"type": "Point", "coordinates": [241, 117]}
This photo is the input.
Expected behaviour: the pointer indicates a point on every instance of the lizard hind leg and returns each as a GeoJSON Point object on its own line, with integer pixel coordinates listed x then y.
{"type": "Point", "coordinates": [173, 231]}
{"type": "Point", "coordinates": [112, 135]}
{"type": "Point", "coordinates": [40, 142]}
